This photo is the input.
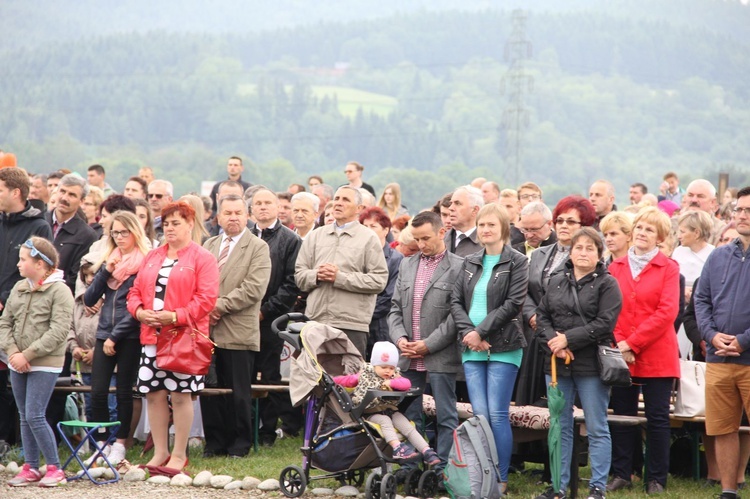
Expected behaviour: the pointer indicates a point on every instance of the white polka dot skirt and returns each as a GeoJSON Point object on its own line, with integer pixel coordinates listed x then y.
{"type": "Point", "coordinates": [152, 379]}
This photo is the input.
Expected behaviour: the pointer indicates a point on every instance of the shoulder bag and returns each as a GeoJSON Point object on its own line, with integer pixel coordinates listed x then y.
{"type": "Point", "coordinates": [613, 370]}
{"type": "Point", "coordinates": [691, 390]}
{"type": "Point", "coordinates": [184, 349]}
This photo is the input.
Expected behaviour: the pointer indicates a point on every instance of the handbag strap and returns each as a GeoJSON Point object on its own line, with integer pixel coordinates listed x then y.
{"type": "Point", "coordinates": [578, 306]}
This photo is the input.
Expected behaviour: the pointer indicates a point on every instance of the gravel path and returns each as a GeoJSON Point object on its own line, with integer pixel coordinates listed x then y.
{"type": "Point", "coordinates": [84, 489]}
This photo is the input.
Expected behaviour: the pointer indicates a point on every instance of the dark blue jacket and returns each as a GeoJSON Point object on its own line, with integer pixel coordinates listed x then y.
{"type": "Point", "coordinates": [721, 300]}
{"type": "Point", "coordinates": [115, 322]}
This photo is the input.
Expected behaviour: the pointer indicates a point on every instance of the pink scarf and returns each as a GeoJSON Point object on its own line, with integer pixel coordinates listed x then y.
{"type": "Point", "coordinates": [128, 265]}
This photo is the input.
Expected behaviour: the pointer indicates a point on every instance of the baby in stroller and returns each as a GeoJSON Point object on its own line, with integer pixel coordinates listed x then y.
{"type": "Point", "coordinates": [381, 373]}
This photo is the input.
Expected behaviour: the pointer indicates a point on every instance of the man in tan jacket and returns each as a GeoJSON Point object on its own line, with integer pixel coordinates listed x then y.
{"type": "Point", "coordinates": [244, 270]}
{"type": "Point", "coordinates": [343, 267]}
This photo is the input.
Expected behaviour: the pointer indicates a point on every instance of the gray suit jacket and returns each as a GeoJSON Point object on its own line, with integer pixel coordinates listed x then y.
{"type": "Point", "coordinates": [436, 325]}
{"type": "Point", "coordinates": [242, 284]}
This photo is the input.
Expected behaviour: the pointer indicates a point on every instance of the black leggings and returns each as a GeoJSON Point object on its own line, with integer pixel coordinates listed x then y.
{"type": "Point", "coordinates": [126, 358]}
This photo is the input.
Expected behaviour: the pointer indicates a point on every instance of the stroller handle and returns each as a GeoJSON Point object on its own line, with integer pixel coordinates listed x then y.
{"type": "Point", "coordinates": [279, 324]}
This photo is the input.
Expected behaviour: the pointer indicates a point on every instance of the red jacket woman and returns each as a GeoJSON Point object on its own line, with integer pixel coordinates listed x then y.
{"type": "Point", "coordinates": [186, 294]}
{"type": "Point", "coordinates": [650, 287]}
{"type": "Point", "coordinates": [650, 303]}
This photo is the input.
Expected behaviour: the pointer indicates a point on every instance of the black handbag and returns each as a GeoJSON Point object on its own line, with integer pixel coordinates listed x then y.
{"type": "Point", "coordinates": [613, 370]}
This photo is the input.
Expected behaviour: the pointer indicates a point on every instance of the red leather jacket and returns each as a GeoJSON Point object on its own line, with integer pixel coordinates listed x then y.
{"type": "Point", "coordinates": [650, 304]}
{"type": "Point", "coordinates": [192, 290]}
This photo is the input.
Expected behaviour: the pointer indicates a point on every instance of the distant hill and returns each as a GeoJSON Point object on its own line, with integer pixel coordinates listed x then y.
{"type": "Point", "coordinates": [33, 22]}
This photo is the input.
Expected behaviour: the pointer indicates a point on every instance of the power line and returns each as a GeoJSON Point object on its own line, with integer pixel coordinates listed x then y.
{"type": "Point", "coordinates": [516, 82]}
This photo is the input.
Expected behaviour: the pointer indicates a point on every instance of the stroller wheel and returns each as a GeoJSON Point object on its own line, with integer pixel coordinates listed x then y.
{"type": "Point", "coordinates": [411, 482]}
{"type": "Point", "coordinates": [372, 487]}
{"type": "Point", "coordinates": [293, 481]}
{"type": "Point", "coordinates": [354, 477]}
{"type": "Point", "coordinates": [388, 487]}
{"type": "Point", "coordinates": [428, 484]}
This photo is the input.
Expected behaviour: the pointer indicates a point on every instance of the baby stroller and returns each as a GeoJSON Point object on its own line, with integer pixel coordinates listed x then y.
{"type": "Point", "coordinates": [337, 438]}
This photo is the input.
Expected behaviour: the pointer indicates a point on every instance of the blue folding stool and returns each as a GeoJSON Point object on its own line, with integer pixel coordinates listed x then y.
{"type": "Point", "coordinates": [91, 430]}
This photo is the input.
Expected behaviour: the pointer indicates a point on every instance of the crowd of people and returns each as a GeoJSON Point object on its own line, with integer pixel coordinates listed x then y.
{"type": "Point", "coordinates": [476, 296]}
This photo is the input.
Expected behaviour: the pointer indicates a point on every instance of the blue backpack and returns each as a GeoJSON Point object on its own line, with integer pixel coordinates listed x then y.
{"type": "Point", "coordinates": [472, 471]}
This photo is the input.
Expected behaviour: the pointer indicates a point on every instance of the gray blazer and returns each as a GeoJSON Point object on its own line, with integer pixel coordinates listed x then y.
{"type": "Point", "coordinates": [437, 328]}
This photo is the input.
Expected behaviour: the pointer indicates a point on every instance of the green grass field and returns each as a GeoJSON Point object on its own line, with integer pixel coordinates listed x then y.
{"type": "Point", "coordinates": [349, 99]}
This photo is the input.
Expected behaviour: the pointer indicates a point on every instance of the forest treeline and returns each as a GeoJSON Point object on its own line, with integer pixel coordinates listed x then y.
{"type": "Point", "coordinates": [605, 97]}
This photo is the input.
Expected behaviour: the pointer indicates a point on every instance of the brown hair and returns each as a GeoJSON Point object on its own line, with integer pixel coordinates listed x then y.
{"type": "Point", "coordinates": [589, 233]}
{"type": "Point", "coordinates": [47, 249]}
{"type": "Point", "coordinates": [16, 178]}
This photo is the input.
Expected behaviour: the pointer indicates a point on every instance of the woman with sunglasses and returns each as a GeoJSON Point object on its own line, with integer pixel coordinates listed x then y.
{"type": "Point", "coordinates": [118, 334]}
{"type": "Point", "coordinates": [570, 214]}
{"type": "Point", "coordinates": [33, 331]}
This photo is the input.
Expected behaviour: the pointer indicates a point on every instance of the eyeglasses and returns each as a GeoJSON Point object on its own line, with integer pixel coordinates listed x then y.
{"type": "Point", "coordinates": [531, 231]}
{"type": "Point", "coordinates": [157, 196]}
{"type": "Point", "coordinates": [746, 211]}
{"type": "Point", "coordinates": [36, 253]}
{"type": "Point", "coordinates": [526, 197]}
{"type": "Point", "coordinates": [119, 233]}
{"type": "Point", "coordinates": [567, 221]}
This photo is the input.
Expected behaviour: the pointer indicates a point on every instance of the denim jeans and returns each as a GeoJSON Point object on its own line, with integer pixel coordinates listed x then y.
{"type": "Point", "coordinates": [490, 386]}
{"type": "Point", "coordinates": [443, 387]}
{"type": "Point", "coordinates": [656, 396]}
{"type": "Point", "coordinates": [595, 399]}
{"type": "Point", "coordinates": [32, 392]}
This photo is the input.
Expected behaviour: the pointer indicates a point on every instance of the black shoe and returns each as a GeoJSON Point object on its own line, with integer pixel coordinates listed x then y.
{"type": "Point", "coordinates": [267, 439]}
{"type": "Point", "coordinates": [618, 483]}
{"type": "Point", "coordinates": [551, 493]}
{"type": "Point", "coordinates": [728, 495]}
{"type": "Point", "coordinates": [214, 452]}
{"type": "Point", "coordinates": [596, 493]}
{"type": "Point", "coordinates": [654, 487]}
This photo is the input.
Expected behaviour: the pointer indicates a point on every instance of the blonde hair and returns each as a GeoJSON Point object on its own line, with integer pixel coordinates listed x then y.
{"type": "Point", "coordinates": [405, 237]}
{"type": "Point", "coordinates": [617, 220]}
{"type": "Point", "coordinates": [697, 220]}
{"type": "Point", "coordinates": [133, 225]}
{"type": "Point", "coordinates": [501, 214]}
{"type": "Point", "coordinates": [199, 230]}
{"type": "Point", "coordinates": [396, 190]}
{"type": "Point", "coordinates": [97, 196]}
{"type": "Point", "coordinates": [658, 219]}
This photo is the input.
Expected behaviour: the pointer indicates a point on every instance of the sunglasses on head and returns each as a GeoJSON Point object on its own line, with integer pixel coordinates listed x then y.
{"type": "Point", "coordinates": [36, 253]}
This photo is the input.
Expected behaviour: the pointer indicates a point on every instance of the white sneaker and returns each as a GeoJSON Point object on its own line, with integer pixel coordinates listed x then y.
{"type": "Point", "coordinates": [88, 462]}
{"type": "Point", "coordinates": [116, 454]}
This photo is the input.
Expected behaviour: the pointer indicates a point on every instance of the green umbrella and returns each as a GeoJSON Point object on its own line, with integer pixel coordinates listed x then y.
{"type": "Point", "coordinates": [555, 403]}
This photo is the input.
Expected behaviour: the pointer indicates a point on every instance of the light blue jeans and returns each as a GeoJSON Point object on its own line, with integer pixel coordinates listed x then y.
{"type": "Point", "coordinates": [32, 392]}
{"type": "Point", "coordinates": [595, 400]}
{"type": "Point", "coordinates": [490, 385]}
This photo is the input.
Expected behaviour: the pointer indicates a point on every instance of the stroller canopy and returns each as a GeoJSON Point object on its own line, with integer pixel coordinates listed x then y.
{"type": "Point", "coordinates": [324, 349]}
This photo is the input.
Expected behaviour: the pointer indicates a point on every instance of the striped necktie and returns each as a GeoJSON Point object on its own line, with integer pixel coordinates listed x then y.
{"type": "Point", "coordinates": [224, 253]}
